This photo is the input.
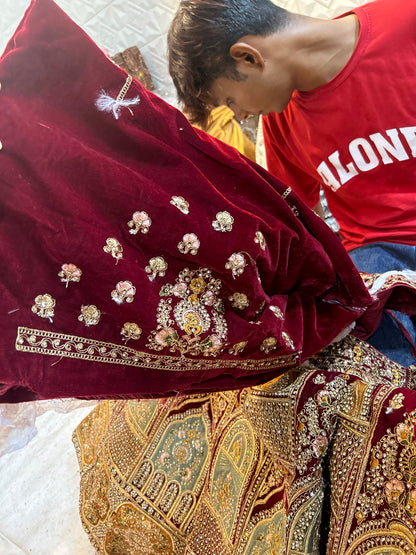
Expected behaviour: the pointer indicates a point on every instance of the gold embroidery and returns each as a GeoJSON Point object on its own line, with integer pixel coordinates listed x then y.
{"type": "Point", "coordinates": [181, 204]}
{"type": "Point", "coordinates": [288, 341]}
{"type": "Point", "coordinates": [277, 312]}
{"type": "Point", "coordinates": [114, 248]}
{"type": "Point", "coordinates": [236, 263]}
{"type": "Point", "coordinates": [259, 238]}
{"type": "Point", "coordinates": [269, 344]}
{"type": "Point", "coordinates": [58, 344]}
{"type": "Point", "coordinates": [90, 315]}
{"type": "Point", "coordinates": [44, 306]}
{"type": "Point", "coordinates": [124, 292]}
{"type": "Point", "coordinates": [239, 300]}
{"type": "Point", "coordinates": [69, 272]}
{"type": "Point", "coordinates": [396, 402]}
{"type": "Point", "coordinates": [131, 331]}
{"type": "Point", "coordinates": [140, 222]}
{"type": "Point", "coordinates": [223, 222]}
{"type": "Point", "coordinates": [157, 267]}
{"type": "Point", "coordinates": [190, 243]}
{"type": "Point", "coordinates": [237, 348]}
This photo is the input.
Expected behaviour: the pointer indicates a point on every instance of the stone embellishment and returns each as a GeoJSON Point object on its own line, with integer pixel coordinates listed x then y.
{"type": "Point", "coordinates": [236, 263]}
{"type": "Point", "coordinates": [157, 267]}
{"type": "Point", "coordinates": [90, 315]}
{"type": "Point", "coordinates": [259, 238]}
{"type": "Point", "coordinates": [269, 344]}
{"type": "Point", "coordinates": [189, 244]}
{"type": "Point", "coordinates": [69, 272]}
{"type": "Point", "coordinates": [192, 306]}
{"type": "Point", "coordinates": [239, 300]}
{"type": "Point", "coordinates": [124, 292]}
{"type": "Point", "coordinates": [181, 204]}
{"type": "Point", "coordinates": [114, 248]}
{"type": "Point", "coordinates": [131, 330]}
{"type": "Point", "coordinates": [140, 222]}
{"type": "Point", "coordinates": [44, 306]}
{"type": "Point", "coordinates": [223, 222]}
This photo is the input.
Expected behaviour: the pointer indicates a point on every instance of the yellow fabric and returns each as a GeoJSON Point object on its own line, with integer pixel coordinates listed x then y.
{"type": "Point", "coordinates": [223, 126]}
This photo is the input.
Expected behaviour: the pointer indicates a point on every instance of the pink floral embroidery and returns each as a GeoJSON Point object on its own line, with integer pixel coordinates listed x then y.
{"type": "Point", "coordinates": [319, 445]}
{"type": "Point", "coordinates": [236, 263]}
{"type": "Point", "coordinates": [189, 244]}
{"type": "Point", "coordinates": [140, 222]}
{"type": "Point", "coordinates": [124, 292]}
{"type": "Point", "coordinates": [69, 272]}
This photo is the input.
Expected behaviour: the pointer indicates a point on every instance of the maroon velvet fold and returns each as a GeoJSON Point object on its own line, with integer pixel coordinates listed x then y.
{"type": "Point", "coordinates": [141, 257]}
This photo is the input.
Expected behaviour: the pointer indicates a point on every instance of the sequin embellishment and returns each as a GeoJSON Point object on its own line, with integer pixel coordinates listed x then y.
{"type": "Point", "coordinates": [236, 263]}
{"type": "Point", "coordinates": [157, 267]}
{"type": "Point", "coordinates": [131, 330]}
{"type": "Point", "coordinates": [223, 222]}
{"type": "Point", "coordinates": [181, 204]}
{"type": "Point", "coordinates": [193, 305]}
{"type": "Point", "coordinates": [44, 306]}
{"type": "Point", "coordinates": [114, 248]}
{"type": "Point", "coordinates": [69, 272]}
{"type": "Point", "coordinates": [140, 222]}
{"type": "Point", "coordinates": [124, 292]}
{"type": "Point", "coordinates": [259, 238]}
{"type": "Point", "coordinates": [90, 315]}
{"type": "Point", "coordinates": [189, 244]}
{"type": "Point", "coordinates": [239, 300]}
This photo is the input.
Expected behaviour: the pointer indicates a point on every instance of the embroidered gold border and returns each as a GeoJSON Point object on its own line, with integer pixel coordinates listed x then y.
{"type": "Point", "coordinates": [59, 344]}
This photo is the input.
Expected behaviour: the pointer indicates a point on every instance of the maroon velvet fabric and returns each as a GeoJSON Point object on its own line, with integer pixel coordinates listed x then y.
{"type": "Point", "coordinates": [71, 178]}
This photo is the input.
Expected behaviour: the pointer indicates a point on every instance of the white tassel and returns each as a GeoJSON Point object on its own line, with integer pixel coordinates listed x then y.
{"type": "Point", "coordinates": [106, 103]}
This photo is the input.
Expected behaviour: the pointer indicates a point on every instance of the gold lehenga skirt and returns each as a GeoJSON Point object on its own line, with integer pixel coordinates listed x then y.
{"type": "Point", "coordinates": [322, 460]}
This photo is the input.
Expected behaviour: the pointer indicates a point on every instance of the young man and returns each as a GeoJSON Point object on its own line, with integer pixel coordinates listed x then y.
{"type": "Point", "coordinates": [341, 114]}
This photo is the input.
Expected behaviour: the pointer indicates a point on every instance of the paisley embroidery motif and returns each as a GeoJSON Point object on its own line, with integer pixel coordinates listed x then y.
{"type": "Point", "coordinates": [44, 306]}
{"type": "Point", "coordinates": [223, 222]}
{"type": "Point", "coordinates": [124, 292]}
{"type": "Point", "coordinates": [236, 263]}
{"type": "Point", "coordinates": [239, 300]}
{"type": "Point", "coordinates": [259, 238]}
{"type": "Point", "coordinates": [131, 330]}
{"type": "Point", "coordinates": [114, 248]}
{"type": "Point", "coordinates": [181, 204]}
{"type": "Point", "coordinates": [140, 222]}
{"type": "Point", "coordinates": [189, 244]}
{"type": "Point", "coordinates": [69, 272]}
{"type": "Point", "coordinates": [90, 315]}
{"type": "Point", "coordinates": [193, 305]}
{"type": "Point", "coordinates": [157, 267]}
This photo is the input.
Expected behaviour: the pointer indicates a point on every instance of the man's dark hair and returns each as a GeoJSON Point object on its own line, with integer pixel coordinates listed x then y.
{"type": "Point", "coordinates": [199, 40]}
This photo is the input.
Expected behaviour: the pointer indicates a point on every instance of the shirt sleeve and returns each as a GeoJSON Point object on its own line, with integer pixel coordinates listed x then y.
{"type": "Point", "coordinates": [284, 167]}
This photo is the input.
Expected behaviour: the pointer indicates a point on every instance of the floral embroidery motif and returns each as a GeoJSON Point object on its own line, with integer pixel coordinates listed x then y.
{"type": "Point", "coordinates": [44, 306]}
{"type": "Point", "coordinates": [239, 300]}
{"type": "Point", "coordinates": [277, 312]}
{"type": "Point", "coordinates": [157, 267]}
{"type": "Point", "coordinates": [193, 305]}
{"type": "Point", "coordinates": [114, 248]}
{"type": "Point", "coordinates": [259, 238]}
{"type": "Point", "coordinates": [190, 243]}
{"type": "Point", "coordinates": [237, 348]}
{"type": "Point", "coordinates": [288, 341]}
{"type": "Point", "coordinates": [181, 204]}
{"type": "Point", "coordinates": [223, 222]}
{"type": "Point", "coordinates": [131, 330]}
{"type": "Point", "coordinates": [90, 315]}
{"type": "Point", "coordinates": [396, 402]}
{"type": "Point", "coordinates": [124, 292]}
{"type": "Point", "coordinates": [269, 344]}
{"type": "Point", "coordinates": [69, 272]}
{"type": "Point", "coordinates": [236, 263]}
{"type": "Point", "coordinates": [140, 222]}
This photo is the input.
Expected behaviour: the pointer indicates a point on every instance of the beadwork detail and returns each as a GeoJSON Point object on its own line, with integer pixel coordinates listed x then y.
{"type": "Point", "coordinates": [140, 222]}
{"type": "Point", "coordinates": [114, 248]}
{"type": "Point", "coordinates": [223, 222]}
{"type": "Point", "coordinates": [69, 272]}
{"type": "Point", "coordinates": [44, 306]}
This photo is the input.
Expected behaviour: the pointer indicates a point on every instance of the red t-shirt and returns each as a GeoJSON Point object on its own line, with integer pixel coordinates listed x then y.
{"type": "Point", "coordinates": [356, 135]}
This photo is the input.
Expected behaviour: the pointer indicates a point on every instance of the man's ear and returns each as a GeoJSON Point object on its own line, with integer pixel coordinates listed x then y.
{"type": "Point", "coordinates": [246, 56]}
